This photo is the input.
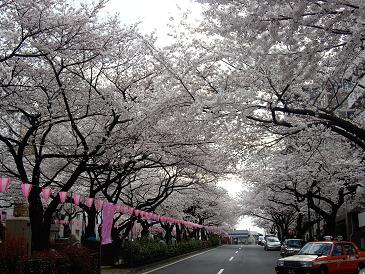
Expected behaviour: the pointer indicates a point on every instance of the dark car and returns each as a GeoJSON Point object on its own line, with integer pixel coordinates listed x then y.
{"type": "Point", "coordinates": [291, 247]}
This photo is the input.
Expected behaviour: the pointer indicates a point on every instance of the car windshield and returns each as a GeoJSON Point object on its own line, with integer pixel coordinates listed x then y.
{"type": "Point", "coordinates": [316, 249]}
{"type": "Point", "coordinates": [294, 243]}
{"type": "Point", "coordinates": [273, 239]}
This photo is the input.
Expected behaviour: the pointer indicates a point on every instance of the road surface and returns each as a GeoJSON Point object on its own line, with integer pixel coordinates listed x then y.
{"type": "Point", "coordinates": [228, 259]}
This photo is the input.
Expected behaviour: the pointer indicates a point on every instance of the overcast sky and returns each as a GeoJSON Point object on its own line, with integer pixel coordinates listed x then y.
{"type": "Point", "coordinates": [154, 15]}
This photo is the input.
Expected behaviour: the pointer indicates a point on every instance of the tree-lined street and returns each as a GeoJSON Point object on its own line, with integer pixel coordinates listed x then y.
{"type": "Point", "coordinates": [119, 148]}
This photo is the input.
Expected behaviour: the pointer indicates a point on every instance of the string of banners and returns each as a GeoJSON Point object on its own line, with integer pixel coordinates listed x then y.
{"type": "Point", "coordinates": [100, 204]}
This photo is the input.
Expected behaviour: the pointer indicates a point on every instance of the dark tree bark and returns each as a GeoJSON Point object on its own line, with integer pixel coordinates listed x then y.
{"type": "Point", "coordinates": [91, 222]}
{"type": "Point", "coordinates": [145, 228]}
{"type": "Point", "coordinates": [168, 231]}
{"type": "Point", "coordinates": [179, 233]}
{"type": "Point", "coordinates": [39, 230]}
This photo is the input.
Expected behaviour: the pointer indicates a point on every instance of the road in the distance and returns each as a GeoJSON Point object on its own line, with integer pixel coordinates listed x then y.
{"type": "Point", "coordinates": [228, 259]}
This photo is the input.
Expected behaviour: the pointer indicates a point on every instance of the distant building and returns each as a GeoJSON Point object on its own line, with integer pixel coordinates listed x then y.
{"type": "Point", "coordinates": [239, 236]}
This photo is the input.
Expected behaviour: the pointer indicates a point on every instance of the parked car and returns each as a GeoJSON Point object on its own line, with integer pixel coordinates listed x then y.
{"type": "Point", "coordinates": [272, 243]}
{"type": "Point", "coordinates": [291, 247]}
{"type": "Point", "coordinates": [261, 240]}
{"type": "Point", "coordinates": [325, 257]}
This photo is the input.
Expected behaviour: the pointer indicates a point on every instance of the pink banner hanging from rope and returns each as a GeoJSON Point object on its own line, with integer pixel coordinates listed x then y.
{"type": "Point", "coordinates": [46, 193]}
{"type": "Point", "coordinates": [63, 196]}
{"type": "Point", "coordinates": [109, 204]}
{"type": "Point", "coordinates": [77, 199]}
{"type": "Point", "coordinates": [89, 202]}
{"type": "Point", "coordinates": [4, 184]}
{"type": "Point", "coordinates": [106, 228]}
{"type": "Point", "coordinates": [130, 210]}
{"type": "Point", "coordinates": [99, 204]}
{"type": "Point", "coordinates": [26, 188]}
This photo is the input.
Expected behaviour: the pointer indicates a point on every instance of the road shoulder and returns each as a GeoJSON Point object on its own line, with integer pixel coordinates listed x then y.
{"type": "Point", "coordinates": [154, 266]}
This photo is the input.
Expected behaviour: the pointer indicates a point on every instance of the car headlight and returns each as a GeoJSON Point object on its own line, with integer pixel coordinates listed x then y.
{"type": "Point", "coordinates": [280, 263]}
{"type": "Point", "coordinates": [306, 264]}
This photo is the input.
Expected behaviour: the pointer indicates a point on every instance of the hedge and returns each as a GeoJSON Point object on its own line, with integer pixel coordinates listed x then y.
{"type": "Point", "coordinates": [147, 251]}
{"type": "Point", "coordinates": [68, 259]}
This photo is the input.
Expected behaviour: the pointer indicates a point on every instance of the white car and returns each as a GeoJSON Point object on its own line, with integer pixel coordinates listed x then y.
{"type": "Point", "coordinates": [272, 243]}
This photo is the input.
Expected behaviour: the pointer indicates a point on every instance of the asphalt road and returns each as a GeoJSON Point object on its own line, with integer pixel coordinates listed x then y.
{"type": "Point", "coordinates": [228, 259]}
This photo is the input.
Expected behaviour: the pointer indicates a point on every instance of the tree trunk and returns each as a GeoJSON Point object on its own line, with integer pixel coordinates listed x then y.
{"type": "Point", "coordinates": [128, 228]}
{"type": "Point", "coordinates": [299, 227]}
{"type": "Point", "coordinates": [40, 235]}
{"type": "Point", "coordinates": [145, 229]}
{"type": "Point", "coordinates": [91, 221]}
{"type": "Point", "coordinates": [168, 232]}
{"type": "Point", "coordinates": [184, 233]}
{"type": "Point", "coordinates": [178, 233]}
{"type": "Point", "coordinates": [202, 231]}
{"type": "Point", "coordinates": [330, 225]}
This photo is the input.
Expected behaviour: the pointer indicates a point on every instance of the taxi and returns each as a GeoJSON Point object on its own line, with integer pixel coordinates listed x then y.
{"type": "Point", "coordinates": [324, 257]}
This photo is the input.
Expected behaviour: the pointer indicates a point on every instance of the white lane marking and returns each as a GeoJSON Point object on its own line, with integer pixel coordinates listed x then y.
{"type": "Point", "coordinates": [236, 252]}
{"type": "Point", "coordinates": [230, 259]}
{"type": "Point", "coordinates": [220, 271]}
{"type": "Point", "coordinates": [166, 265]}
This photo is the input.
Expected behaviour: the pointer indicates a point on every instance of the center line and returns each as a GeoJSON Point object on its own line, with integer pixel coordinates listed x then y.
{"type": "Point", "coordinates": [220, 271]}
{"type": "Point", "coordinates": [236, 252]}
{"type": "Point", "coordinates": [230, 259]}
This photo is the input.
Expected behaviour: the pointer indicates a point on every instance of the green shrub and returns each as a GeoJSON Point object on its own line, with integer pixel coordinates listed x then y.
{"type": "Point", "coordinates": [146, 251]}
{"type": "Point", "coordinates": [79, 258]}
{"type": "Point", "coordinates": [215, 240]}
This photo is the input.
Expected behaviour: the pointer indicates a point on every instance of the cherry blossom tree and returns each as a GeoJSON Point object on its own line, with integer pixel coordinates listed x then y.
{"type": "Point", "coordinates": [293, 64]}
{"type": "Point", "coordinates": [308, 173]}
{"type": "Point", "coordinates": [65, 80]}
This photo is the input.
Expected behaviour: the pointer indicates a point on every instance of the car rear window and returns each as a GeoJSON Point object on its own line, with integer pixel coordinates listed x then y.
{"type": "Point", "coordinates": [294, 243]}
{"type": "Point", "coordinates": [273, 239]}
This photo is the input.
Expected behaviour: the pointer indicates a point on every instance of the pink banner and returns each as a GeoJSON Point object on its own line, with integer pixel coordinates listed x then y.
{"type": "Point", "coordinates": [63, 196]}
{"type": "Point", "coordinates": [26, 188]}
{"type": "Point", "coordinates": [108, 215]}
{"type": "Point", "coordinates": [46, 193]}
{"type": "Point", "coordinates": [99, 204]}
{"type": "Point", "coordinates": [109, 204]}
{"type": "Point", "coordinates": [4, 184]}
{"type": "Point", "coordinates": [77, 199]}
{"type": "Point", "coordinates": [89, 202]}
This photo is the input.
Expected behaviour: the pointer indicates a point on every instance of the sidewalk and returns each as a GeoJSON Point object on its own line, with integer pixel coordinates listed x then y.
{"type": "Point", "coordinates": [145, 268]}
